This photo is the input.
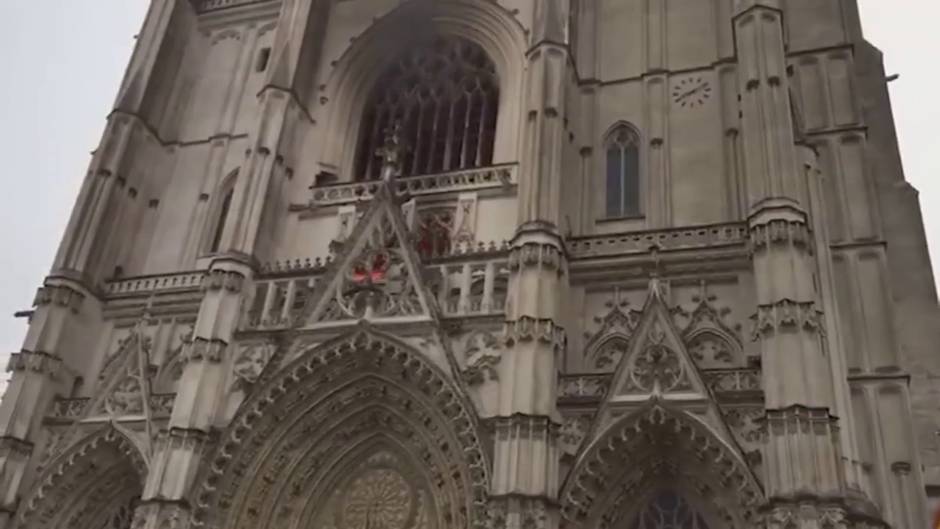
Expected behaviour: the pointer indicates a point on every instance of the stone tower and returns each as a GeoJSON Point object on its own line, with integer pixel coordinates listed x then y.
{"type": "Point", "coordinates": [527, 264]}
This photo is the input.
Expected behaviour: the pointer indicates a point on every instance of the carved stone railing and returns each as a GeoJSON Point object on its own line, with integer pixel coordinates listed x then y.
{"type": "Point", "coordinates": [696, 237]}
{"type": "Point", "coordinates": [742, 382]}
{"type": "Point", "coordinates": [203, 6]}
{"type": "Point", "coordinates": [161, 406]}
{"type": "Point", "coordinates": [155, 283]}
{"type": "Point", "coordinates": [70, 409]}
{"type": "Point", "coordinates": [738, 383]}
{"type": "Point", "coordinates": [467, 282]}
{"type": "Point", "coordinates": [582, 389]}
{"type": "Point", "coordinates": [496, 176]}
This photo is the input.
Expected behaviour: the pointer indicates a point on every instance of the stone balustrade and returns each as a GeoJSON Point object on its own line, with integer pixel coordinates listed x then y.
{"type": "Point", "coordinates": [634, 242]}
{"type": "Point", "coordinates": [155, 283]}
{"type": "Point", "coordinates": [492, 177]}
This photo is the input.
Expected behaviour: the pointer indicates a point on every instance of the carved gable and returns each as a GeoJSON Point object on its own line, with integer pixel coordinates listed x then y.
{"type": "Point", "coordinates": [376, 275]}
{"type": "Point", "coordinates": [657, 364]}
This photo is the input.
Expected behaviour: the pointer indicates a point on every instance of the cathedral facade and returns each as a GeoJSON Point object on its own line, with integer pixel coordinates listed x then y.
{"type": "Point", "coordinates": [453, 264]}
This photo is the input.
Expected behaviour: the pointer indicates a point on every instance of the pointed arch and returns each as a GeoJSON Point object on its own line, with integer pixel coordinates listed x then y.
{"type": "Point", "coordinates": [221, 208]}
{"type": "Point", "coordinates": [310, 424]}
{"type": "Point", "coordinates": [96, 481]}
{"type": "Point", "coordinates": [655, 448]}
{"type": "Point", "coordinates": [622, 178]}
{"type": "Point", "coordinates": [485, 24]}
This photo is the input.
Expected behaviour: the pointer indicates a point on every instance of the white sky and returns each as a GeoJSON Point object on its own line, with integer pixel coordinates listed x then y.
{"type": "Point", "coordinates": [63, 60]}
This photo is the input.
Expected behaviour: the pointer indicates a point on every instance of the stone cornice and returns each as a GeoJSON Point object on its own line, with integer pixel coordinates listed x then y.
{"type": "Point", "coordinates": [37, 362]}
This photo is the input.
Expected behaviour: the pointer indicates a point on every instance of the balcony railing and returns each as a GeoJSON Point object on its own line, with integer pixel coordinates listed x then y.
{"type": "Point", "coordinates": [496, 176]}
{"type": "Point", "coordinates": [203, 6]}
{"type": "Point", "coordinates": [465, 283]}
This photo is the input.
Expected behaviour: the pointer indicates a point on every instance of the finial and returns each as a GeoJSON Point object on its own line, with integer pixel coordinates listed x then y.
{"type": "Point", "coordinates": [392, 152]}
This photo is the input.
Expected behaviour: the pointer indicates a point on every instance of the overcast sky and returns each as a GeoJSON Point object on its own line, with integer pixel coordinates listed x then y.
{"type": "Point", "coordinates": [63, 59]}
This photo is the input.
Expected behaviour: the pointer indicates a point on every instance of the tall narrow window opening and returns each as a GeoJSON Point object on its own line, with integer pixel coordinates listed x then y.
{"type": "Point", "coordinates": [623, 173]}
{"type": "Point", "coordinates": [445, 95]}
{"type": "Point", "coordinates": [220, 222]}
{"type": "Point", "coordinates": [263, 57]}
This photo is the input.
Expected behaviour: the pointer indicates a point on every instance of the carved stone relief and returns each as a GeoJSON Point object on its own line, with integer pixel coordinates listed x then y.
{"type": "Point", "coordinates": [251, 360]}
{"type": "Point", "coordinates": [605, 346]}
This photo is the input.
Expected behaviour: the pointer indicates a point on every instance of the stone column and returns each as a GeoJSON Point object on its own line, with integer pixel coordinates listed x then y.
{"type": "Point", "coordinates": [804, 474]}
{"type": "Point", "coordinates": [39, 373]}
{"type": "Point", "coordinates": [199, 399]}
{"type": "Point", "coordinates": [525, 473]}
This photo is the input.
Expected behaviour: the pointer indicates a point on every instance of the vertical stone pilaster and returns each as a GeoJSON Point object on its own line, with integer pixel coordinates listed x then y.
{"type": "Point", "coordinates": [38, 374]}
{"type": "Point", "coordinates": [525, 474]}
{"type": "Point", "coordinates": [199, 400]}
{"type": "Point", "coordinates": [804, 469]}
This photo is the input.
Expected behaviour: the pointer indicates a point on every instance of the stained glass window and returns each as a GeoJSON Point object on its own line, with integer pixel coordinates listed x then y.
{"type": "Point", "coordinates": [623, 173]}
{"type": "Point", "coordinates": [445, 96]}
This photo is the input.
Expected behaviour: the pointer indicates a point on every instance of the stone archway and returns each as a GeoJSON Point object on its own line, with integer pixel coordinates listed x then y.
{"type": "Point", "coordinates": [364, 414]}
{"type": "Point", "coordinates": [96, 483]}
{"type": "Point", "coordinates": [659, 448]}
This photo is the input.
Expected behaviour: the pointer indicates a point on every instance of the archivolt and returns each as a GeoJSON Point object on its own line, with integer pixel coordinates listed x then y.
{"type": "Point", "coordinates": [485, 23]}
{"type": "Point", "coordinates": [93, 480]}
{"type": "Point", "coordinates": [654, 447]}
{"type": "Point", "coordinates": [305, 425]}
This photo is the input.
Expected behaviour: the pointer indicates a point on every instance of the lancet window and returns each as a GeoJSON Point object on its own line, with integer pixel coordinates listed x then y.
{"type": "Point", "coordinates": [668, 510]}
{"type": "Point", "coordinates": [445, 95]}
{"type": "Point", "coordinates": [623, 173]}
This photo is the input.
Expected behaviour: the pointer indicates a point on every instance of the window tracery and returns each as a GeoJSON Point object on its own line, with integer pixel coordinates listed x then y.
{"type": "Point", "coordinates": [622, 196]}
{"type": "Point", "coordinates": [445, 95]}
{"type": "Point", "coordinates": [668, 510]}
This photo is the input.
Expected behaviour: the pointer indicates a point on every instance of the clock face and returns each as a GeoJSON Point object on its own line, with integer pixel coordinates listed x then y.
{"type": "Point", "coordinates": [691, 91]}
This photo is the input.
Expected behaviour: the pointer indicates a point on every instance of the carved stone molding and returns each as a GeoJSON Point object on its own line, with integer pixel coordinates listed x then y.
{"type": "Point", "coordinates": [37, 362]}
{"type": "Point", "coordinates": [107, 455]}
{"type": "Point", "coordinates": [353, 391]}
{"type": "Point", "coordinates": [188, 439]}
{"type": "Point", "coordinates": [781, 231]}
{"type": "Point", "coordinates": [223, 279]}
{"type": "Point", "coordinates": [597, 488]}
{"type": "Point", "coordinates": [526, 427]}
{"type": "Point", "coordinates": [795, 416]}
{"type": "Point", "coordinates": [494, 177]}
{"type": "Point", "coordinates": [483, 353]}
{"type": "Point", "coordinates": [544, 256]}
{"type": "Point", "coordinates": [61, 295]}
{"type": "Point", "coordinates": [251, 359]}
{"type": "Point", "coordinates": [580, 388]}
{"type": "Point", "coordinates": [205, 349]}
{"type": "Point", "coordinates": [161, 514]}
{"type": "Point", "coordinates": [816, 512]}
{"type": "Point", "coordinates": [505, 512]}
{"type": "Point", "coordinates": [787, 315]}
{"type": "Point", "coordinates": [527, 329]}
{"type": "Point", "coordinates": [13, 447]}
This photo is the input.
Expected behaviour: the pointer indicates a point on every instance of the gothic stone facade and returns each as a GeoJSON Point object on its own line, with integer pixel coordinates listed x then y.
{"type": "Point", "coordinates": [433, 264]}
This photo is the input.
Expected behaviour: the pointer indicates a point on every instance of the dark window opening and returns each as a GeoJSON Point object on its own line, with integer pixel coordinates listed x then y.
{"type": "Point", "coordinates": [623, 174]}
{"type": "Point", "coordinates": [263, 57]}
{"type": "Point", "coordinates": [445, 95]}
{"type": "Point", "coordinates": [220, 223]}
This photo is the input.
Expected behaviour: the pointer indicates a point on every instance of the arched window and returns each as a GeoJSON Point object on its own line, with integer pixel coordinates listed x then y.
{"type": "Point", "coordinates": [445, 95]}
{"type": "Point", "coordinates": [227, 192]}
{"type": "Point", "coordinates": [623, 173]}
{"type": "Point", "coordinates": [220, 221]}
{"type": "Point", "coordinates": [668, 510]}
